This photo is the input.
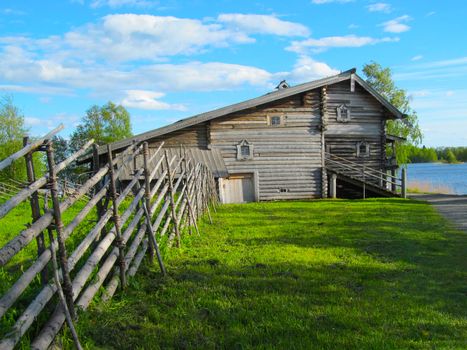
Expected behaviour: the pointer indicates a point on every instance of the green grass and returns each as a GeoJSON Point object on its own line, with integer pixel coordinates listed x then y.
{"type": "Point", "coordinates": [10, 226]}
{"type": "Point", "coordinates": [373, 274]}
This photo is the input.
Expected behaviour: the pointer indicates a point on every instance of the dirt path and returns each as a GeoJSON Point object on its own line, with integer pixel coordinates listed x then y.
{"type": "Point", "coordinates": [453, 207]}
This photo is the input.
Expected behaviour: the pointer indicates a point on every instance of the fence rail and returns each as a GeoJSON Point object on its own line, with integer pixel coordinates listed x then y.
{"type": "Point", "coordinates": [110, 226]}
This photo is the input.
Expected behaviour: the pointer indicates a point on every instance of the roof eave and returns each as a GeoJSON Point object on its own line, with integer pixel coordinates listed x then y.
{"type": "Point", "coordinates": [203, 117]}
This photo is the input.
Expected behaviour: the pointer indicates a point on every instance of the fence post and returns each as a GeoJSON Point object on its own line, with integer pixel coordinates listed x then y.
{"type": "Point", "coordinates": [61, 295]}
{"type": "Point", "coordinates": [116, 219]}
{"type": "Point", "coordinates": [100, 204]}
{"type": "Point", "coordinates": [404, 183]}
{"type": "Point", "coordinates": [191, 214]}
{"type": "Point", "coordinates": [146, 205]}
{"type": "Point", "coordinates": [67, 286]}
{"type": "Point", "coordinates": [35, 207]}
{"type": "Point", "coordinates": [205, 194]}
{"type": "Point", "coordinates": [172, 201]}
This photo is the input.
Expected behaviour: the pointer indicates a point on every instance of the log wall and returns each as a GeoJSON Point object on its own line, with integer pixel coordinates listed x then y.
{"type": "Point", "coordinates": [366, 124]}
{"type": "Point", "coordinates": [287, 158]}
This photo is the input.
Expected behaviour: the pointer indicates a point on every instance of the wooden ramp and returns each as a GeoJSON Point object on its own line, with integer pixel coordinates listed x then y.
{"type": "Point", "coordinates": [452, 207]}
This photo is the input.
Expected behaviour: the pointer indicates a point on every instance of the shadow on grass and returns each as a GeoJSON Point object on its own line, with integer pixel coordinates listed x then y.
{"type": "Point", "coordinates": [324, 275]}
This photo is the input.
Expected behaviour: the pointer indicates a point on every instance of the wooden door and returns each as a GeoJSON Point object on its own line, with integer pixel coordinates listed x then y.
{"type": "Point", "coordinates": [238, 188]}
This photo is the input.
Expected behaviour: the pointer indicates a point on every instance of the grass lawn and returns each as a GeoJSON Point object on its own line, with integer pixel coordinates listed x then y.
{"type": "Point", "coordinates": [373, 274]}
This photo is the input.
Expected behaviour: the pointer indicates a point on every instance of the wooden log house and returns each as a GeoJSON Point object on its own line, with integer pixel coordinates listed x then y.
{"type": "Point", "coordinates": [314, 140]}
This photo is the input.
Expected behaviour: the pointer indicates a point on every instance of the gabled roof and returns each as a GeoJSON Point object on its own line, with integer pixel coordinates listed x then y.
{"type": "Point", "coordinates": [270, 97]}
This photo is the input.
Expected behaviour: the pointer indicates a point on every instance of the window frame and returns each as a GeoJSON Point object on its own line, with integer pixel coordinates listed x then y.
{"type": "Point", "coordinates": [365, 144]}
{"type": "Point", "coordinates": [281, 120]}
{"type": "Point", "coordinates": [240, 147]}
{"type": "Point", "coordinates": [343, 113]}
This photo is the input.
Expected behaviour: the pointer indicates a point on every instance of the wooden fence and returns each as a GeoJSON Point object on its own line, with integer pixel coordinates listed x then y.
{"type": "Point", "coordinates": [110, 226]}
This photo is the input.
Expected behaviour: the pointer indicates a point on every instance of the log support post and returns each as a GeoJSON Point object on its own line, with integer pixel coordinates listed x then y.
{"type": "Point", "coordinates": [393, 180]}
{"type": "Point", "coordinates": [404, 183]}
{"type": "Point", "coordinates": [333, 186]}
{"type": "Point", "coordinates": [116, 219]}
{"type": "Point", "coordinates": [364, 181]}
{"type": "Point", "coordinates": [67, 285]}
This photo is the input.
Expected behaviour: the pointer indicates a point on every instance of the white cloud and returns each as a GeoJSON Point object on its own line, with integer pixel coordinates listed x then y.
{"type": "Point", "coordinates": [12, 12]}
{"type": "Point", "coordinates": [120, 3]}
{"type": "Point", "coordinates": [416, 58]}
{"type": "Point", "coordinates": [450, 68]}
{"type": "Point", "coordinates": [142, 99]}
{"type": "Point", "coordinates": [45, 99]}
{"type": "Point", "coordinates": [36, 123]}
{"type": "Point", "coordinates": [308, 69]}
{"type": "Point", "coordinates": [198, 76]}
{"type": "Point", "coordinates": [431, 13]}
{"type": "Point", "coordinates": [131, 37]}
{"type": "Point", "coordinates": [263, 24]}
{"type": "Point", "coordinates": [353, 26]}
{"type": "Point", "coordinates": [446, 63]}
{"type": "Point", "coordinates": [336, 41]}
{"type": "Point", "coordinates": [419, 93]}
{"type": "Point", "coordinates": [32, 121]}
{"type": "Point", "coordinates": [127, 37]}
{"type": "Point", "coordinates": [397, 25]}
{"type": "Point", "coordinates": [35, 89]}
{"type": "Point", "coordinates": [320, 2]}
{"type": "Point", "coordinates": [379, 7]}
{"type": "Point", "coordinates": [126, 58]}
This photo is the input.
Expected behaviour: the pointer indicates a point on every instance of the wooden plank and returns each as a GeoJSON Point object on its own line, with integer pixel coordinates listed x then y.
{"type": "Point", "coordinates": [30, 147]}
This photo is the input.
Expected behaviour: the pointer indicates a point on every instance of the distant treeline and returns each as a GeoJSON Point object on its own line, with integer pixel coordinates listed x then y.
{"type": "Point", "coordinates": [439, 154]}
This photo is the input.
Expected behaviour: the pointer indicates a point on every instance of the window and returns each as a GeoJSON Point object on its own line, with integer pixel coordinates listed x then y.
{"type": "Point", "coordinates": [343, 113]}
{"type": "Point", "coordinates": [244, 150]}
{"type": "Point", "coordinates": [275, 120]}
{"type": "Point", "coordinates": [363, 149]}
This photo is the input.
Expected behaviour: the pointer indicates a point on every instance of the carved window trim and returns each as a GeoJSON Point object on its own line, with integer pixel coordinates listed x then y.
{"type": "Point", "coordinates": [272, 120]}
{"type": "Point", "coordinates": [343, 113]}
{"type": "Point", "coordinates": [363, 149]}
{"type": "Point", "coordinates": [244, 150]}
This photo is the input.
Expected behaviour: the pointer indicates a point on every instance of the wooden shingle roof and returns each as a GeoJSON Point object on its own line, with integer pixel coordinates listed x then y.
{"type": "Point", "coordinates": [267, 98]}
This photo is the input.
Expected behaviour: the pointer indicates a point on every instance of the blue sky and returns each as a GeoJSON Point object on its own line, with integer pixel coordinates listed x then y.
{"type": "Point", "coordinates": [166, 60]}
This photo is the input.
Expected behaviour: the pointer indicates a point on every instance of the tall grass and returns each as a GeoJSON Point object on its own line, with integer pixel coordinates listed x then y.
{"type": "Point", "coordinates": [418, 186]}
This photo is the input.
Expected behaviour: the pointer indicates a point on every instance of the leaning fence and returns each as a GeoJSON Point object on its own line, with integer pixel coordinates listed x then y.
{"type": "Point", "coordinates": [90, 240]}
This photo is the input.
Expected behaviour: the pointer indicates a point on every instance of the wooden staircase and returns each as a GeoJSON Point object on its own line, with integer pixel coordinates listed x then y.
{"type": "Point", "coordinates": [360, 181]}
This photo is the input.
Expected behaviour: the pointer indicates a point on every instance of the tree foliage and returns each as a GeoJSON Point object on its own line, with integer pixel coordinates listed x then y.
{"type": "Point", "coordinates": [12, 131]}
{"type": "Point", "coordinates": [421, 154]}
{"type": "Point", "coordinates": [381, 79]}
{"type": "Point", "coordinates": [104, 124]}
{"type": "Point", "coordinates": [439, 154]}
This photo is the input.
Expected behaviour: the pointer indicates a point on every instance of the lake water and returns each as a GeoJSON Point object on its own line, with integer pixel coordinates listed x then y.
{"type": "Point", "coordinates": [438, 177]}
